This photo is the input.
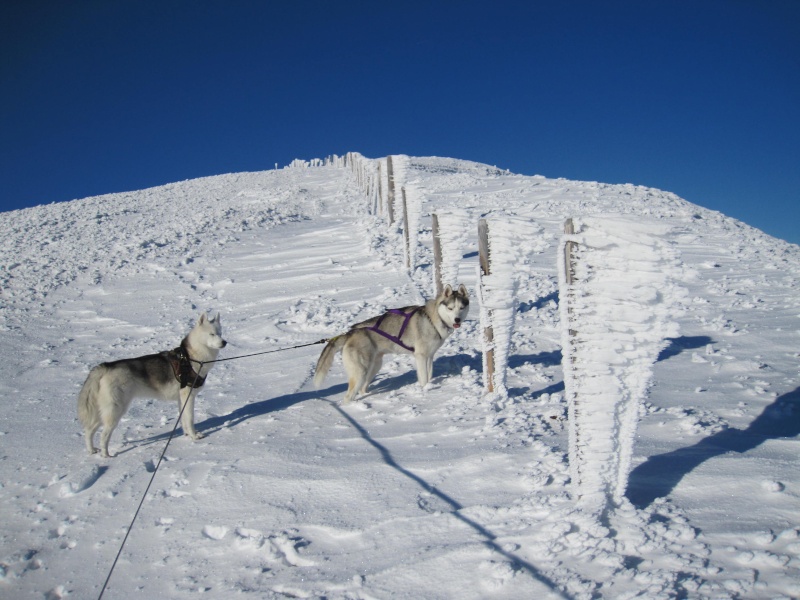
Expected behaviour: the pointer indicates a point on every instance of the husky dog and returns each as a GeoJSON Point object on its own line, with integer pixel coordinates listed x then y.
{"type": "Point", "coordinates": [174, 375]}
{"type": "Point", "coordinates": [417, 330]}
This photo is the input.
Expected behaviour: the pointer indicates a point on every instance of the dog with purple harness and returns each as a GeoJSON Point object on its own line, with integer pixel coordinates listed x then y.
{"type": "Point", "coordinates": [418, 330]}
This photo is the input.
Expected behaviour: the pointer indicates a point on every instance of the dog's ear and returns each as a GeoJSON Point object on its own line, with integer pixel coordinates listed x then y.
{"type": "Point", "coordinates": [462, 289]}
{"type": "Point", "coordinates": [216, 319]}
{"type": "Point", "coordinates": [202, 318]}
{"type": "Point", "coordinates": [448, 290]}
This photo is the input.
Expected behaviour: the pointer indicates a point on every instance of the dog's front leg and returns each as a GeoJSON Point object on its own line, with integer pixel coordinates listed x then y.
{"type": "Point", "coordinates": [187, 413]}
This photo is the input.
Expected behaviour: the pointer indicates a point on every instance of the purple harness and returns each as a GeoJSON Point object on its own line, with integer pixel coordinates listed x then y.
{"type": "Point", "coordinates": [396, 339]}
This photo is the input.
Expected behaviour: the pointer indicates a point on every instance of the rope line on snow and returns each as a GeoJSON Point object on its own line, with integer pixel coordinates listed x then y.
{"type": "Point", "coordinates": [169, 439]}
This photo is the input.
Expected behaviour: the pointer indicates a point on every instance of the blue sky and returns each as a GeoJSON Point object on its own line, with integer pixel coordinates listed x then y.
{"type": "Point", "coordinates": [697, 97]}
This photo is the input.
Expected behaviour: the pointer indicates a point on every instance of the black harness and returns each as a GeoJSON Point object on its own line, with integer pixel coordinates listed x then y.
{"type": "Point", "coordinates": [182, 367]}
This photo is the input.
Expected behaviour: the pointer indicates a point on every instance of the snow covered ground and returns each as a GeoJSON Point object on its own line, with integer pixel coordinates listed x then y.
{"type": "Point", "coordinates": [441, 492]}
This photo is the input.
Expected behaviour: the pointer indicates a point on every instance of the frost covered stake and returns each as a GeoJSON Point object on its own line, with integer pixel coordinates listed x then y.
{"type": "Point", "coordinates": [569, 248]}
{"type": "Point", "coordinates": [498, 244]}
{"type": "Point", "coordinates": [381, 202]}
{"type": "Point", "coordinates": [390, 189]}
{"type": "Point", "coordinates": [618, 304]}
{"type": "Point", "coordinates": [406, 233]}
{"type": "Point", "coordinates": [450, 233]}
{"type": "Point", "coordinates": [437, 256]}
{"type": "Point", "coordinates": [488, 332]}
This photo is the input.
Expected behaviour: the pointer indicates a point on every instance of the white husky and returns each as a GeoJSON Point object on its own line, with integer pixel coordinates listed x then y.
{"type": "Point", "coordinates": [174, 375]}
{"type": "Point", "coordinates": [417, 330]}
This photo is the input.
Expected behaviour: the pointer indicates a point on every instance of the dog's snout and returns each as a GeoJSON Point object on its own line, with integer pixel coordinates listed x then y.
{"type": "Point", "coordinates": [458, 320]}
{"type": "Point", "coordinates": [224, 343]}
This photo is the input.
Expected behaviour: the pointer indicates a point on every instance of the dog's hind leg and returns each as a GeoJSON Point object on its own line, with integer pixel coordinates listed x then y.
{"type": "Point", "coordinates": [88, 407]}
{"type": "Point", "coordinates": [110, 415]}
{"type": "Point", "coordinates": [374, 367]}
{"type": "Point", "coordinates": [88, 433]}
{"type": "Point", "coordinates": [357, 362]}
{"type": "Point", "coordinates": [186, 406]}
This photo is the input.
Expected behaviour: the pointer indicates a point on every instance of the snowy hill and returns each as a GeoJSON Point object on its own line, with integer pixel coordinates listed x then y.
{"type": "Point", "coordinates": [408, 493]}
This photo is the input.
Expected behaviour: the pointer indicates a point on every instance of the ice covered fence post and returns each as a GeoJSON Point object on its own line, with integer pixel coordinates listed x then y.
{"type": "Point", "coordinates": [382, 186]}
{"type": "Point", "coordinates": [390, 189]}
{"type": "Point", "coordinates": [484, 270]}
{"type": "Point", "coordinates": [497, 296]}
{"type": "Point", "coordinates": [569, 248]}
{"type": "Point", "coordinates": [618, 303]}
{"type": "Point", "coordinates": [437, 255]}
{"type": "Point", "coordinates": [399, 179]}
{"type": "Point", "coordinates": [412, 208]}
{"type": "Point", "coordinates": [364, 171]}
{"type": "Point", "coordinates": [449, 238]}
{"type": "Point", "coordinates": [405, 229]}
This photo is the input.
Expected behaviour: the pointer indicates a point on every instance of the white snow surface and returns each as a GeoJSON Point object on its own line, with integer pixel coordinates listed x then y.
{"type": "Point", "coordinates": [440, 492]}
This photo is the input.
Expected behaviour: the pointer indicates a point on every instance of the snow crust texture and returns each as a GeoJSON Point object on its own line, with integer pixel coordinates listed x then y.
{"type": "Point", "coordinates": [442, 492]}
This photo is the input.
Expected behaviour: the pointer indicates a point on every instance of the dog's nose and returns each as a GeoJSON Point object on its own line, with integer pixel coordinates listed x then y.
{"type": "Point", "coordinates": [224, 343]}
{"type": "Point", "coordinates": [458, 320]}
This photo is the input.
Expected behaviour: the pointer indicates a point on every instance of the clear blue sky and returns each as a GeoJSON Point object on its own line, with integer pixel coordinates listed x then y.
{"type": "Point", "coordinates": [697, 97]}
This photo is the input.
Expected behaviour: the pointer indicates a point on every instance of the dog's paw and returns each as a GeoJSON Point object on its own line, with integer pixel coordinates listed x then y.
{"type": "Point", "coordinates": [197, 436]}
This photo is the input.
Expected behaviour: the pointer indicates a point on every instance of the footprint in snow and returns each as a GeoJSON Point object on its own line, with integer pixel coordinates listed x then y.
{"type": "Point", "coordinates": [81, 480]}
{"type": "Point", "coordinates": [287, 547]}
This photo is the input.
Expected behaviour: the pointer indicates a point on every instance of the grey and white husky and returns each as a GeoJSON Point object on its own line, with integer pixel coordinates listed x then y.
{"type": "Point", "coordinates": [174, 375]}
{"type": "Point", "coordinates": [417, 330]}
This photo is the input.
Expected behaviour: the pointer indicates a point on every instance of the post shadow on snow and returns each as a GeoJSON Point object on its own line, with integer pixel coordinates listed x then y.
{"type": "Point", "coordinates": [658, 475]}
{"type": "Point", "coordinates": [453, 365]}
{"type": "Point", "coordinates": [490, 538]}
{"type": "Point", "coordinates": [539, 303]}
{"type": "Point", "coordinates": [685, 342]}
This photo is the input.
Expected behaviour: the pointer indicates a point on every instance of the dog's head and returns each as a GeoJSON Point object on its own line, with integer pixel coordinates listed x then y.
{"type": "Point", "coordinates": [453, 306]}
{"type": "Point", "coordinates": [208, 332]}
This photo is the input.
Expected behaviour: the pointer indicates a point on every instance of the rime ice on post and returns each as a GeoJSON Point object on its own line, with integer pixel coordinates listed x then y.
{"type": "Point", "coordinates": [398, 174]}
{"type": "Point", "coordinates": [412, 203]}
{"type": "Point", "coordinates": [383, 186]}
{"type": "Point", "coordinates": [616, 315]}
{"type": "Point", "coordinates": [451, 233]}
{"type": "Point", "coordinates": [497, 293]}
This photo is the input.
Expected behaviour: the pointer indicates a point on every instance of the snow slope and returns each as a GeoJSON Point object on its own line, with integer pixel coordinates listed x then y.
{"type": "Point", "coordinates": [436, 493]}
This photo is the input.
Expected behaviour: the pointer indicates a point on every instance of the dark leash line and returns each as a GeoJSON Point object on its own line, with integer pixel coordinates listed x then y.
{"type": "Point", "coordinates": [172, 434]}
{"type": "Point", "coordinates": [208, 362]}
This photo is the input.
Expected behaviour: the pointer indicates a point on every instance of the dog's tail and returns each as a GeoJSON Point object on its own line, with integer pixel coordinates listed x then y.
{"type": "Point", "coordinates": [88, 410]}
{"type": "Point", "coordinates": [326, 358]}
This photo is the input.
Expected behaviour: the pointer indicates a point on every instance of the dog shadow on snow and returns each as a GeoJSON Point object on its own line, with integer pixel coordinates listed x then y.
{"type": "Point", "coordinates": [443, 367]}
{"type": "Point", "coordinates": [659, 475]}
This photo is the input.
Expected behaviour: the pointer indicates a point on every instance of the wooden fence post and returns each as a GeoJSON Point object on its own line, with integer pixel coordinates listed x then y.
{"type": "Point", "coordinates": [380, 189]}
{"type": "Point", "coordinates": [569, 264]}
{"type": "Point", "coordinates": [406, 233]}
{"type": "Point", "coordinates": [390, 200]}
{"type": "Point", "coordinates": [569, 249]}
{"type": "Point", "coordinates": [437, 256]}
{"type": "Point", "coordinates": [488, 332]}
